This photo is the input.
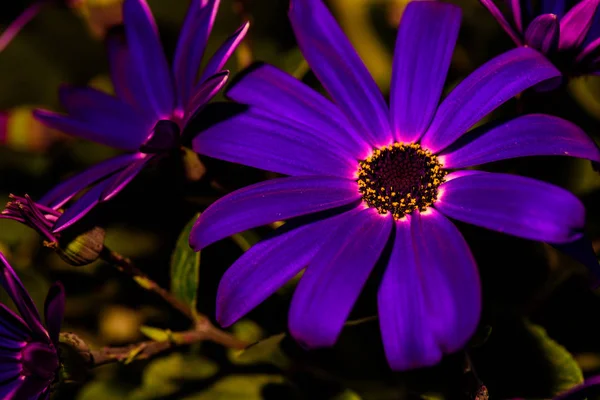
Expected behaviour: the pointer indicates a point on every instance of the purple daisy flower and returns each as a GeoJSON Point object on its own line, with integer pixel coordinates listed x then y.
{"type": "Point", "coordinates": [28, 349]}
{"type": "Point", "coordinates": [151, 108]}
{"type": "Point", "coordinates": [567, 32]}
{"type": "Point", "coordinates": [34, 215]}
{"type": "Point", "coordinates": [365, 176]}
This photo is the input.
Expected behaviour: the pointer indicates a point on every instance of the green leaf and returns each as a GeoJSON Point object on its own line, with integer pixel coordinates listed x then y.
{"type": "Point", "coordinates": [237, 387]}
{"type": "Point", "coordinates": [565, 370]}
{"type": "Point", "coordinates": [245, 239]}
{"type": "Point", "coordinates": [185, 267]}
{"type": "Point", "coordinates": [156, 334]}
{"type": "Point", "coordinates": [261, 350]}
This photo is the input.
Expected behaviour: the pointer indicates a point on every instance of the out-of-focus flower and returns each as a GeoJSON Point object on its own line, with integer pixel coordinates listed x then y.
{"type": "Point", "coordinates": [367, 177]}
{"type": "Point", "coordinates": [29, 357]}
{"type": "Point", "coordinates": [568, 35]}
{"type": "Point", "coordinates": [151, 108]}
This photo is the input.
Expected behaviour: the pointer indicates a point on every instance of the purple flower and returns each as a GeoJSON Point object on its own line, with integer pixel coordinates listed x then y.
{"type": "Point", "coordinates": [152, 106]}
{"type": "Point", "coordinates": [365, 177]}
{"type": "Point", "coordinates": [29, 359]}
{"type": "Point", "coordinates": [34, 215]}
{"type": "Point", "coordinates": [568, 36]}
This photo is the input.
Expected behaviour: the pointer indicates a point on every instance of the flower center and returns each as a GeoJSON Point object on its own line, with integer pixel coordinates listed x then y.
{"type": "Point", "coordinates": [39, 359]}
{"type": "Point", "coordinates": [165, 137]}
{"type": "Point", "coordinates": [400, 178]}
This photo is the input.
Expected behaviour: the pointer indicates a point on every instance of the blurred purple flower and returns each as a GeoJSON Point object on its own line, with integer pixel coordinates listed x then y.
{"type": "Point", "coordinates": [152, 106]}
{"type": "Point", "coordinates": [567, 32]}
{"type": "Point", "coordinates": [29, 358]}
{"type": "Point", "coordinates": [367, 177]}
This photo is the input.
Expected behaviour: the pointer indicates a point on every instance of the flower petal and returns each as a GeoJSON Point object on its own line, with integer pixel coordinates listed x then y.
{"type": "Point", "coordinates": [9, 33]}
{"type": "Point", "coordinates": [497, 14]}
{"type": "Point", "coordinates": [483, 91]}
{"type": "Point", "coordinates": [10, 384]}
{"type": "Point", "coordinates": [203, 93]}
{"type": "Point", "coordinates": [126, 81]}
{"type": "Point", "coordinates": [19, 295]}
{"type": "Point", "coordinates": [270, 201]}
{"type": "Point", "coordinates": [267, 265]}
{"type": "Point", "coordinates": [515, 205]}
{"type": "Point", "coordinates": [582, 391]}
{"type": "Point", "coordinates": [528, 135]}
{"type": "Point", "coordinates": [267, 87]}
{"type": "Point", "coordinates": [542, 33]}
{"type": "Point", "coordinates": [147, 56]}
{"type": "Point", "coordinates": [218, 60]}
{"type": "Point", "coordinates": [191, 45]}
{"type": "Point", "coordinates": [12, 326]}
{"type": "Point", "coordinates": [262, 140]}
{"type": "Point", "coordinates": [65, 191]}
{"type": "Point", "coordinates": [556, 7]}
{"type": "Point", "coordinates": [334, 279]}
{"type": "Point", "coordinates": [424, 47]}
{"type": "Point", "coordinates": [339, 69]}
{"type": "Point", "coordinates": [123, 178]}
{"type": "Point", "coordinates": [575, 25]}
{"type": "Point", "coordinates": [54, 309]}
{"type": "Point", "coordinates": [82, 206]}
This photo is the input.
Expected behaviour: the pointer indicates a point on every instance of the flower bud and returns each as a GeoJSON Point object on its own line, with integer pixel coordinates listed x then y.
{"type": "Point", "coordinates": [83, 249]}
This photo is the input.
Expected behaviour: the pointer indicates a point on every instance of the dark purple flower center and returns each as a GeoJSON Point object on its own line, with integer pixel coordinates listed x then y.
{"type": "Point", "coordinates": [165, 137]}
{"type": "Point", "coordinates": [400, 178]}
{"type": "Point", "coordinates": [40, 360]}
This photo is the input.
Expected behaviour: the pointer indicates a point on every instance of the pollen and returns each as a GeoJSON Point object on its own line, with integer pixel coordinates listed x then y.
{"type": "Point", "coordinates": [400, 178]}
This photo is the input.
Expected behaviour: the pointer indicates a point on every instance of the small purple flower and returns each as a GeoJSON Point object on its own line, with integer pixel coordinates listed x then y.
{"type": "Point", "coordinates": [365, 177]}
{"type": "Point", "coordinates": [568, 36]}
{"type": "Point", "coordinates": [152, 106]}
{"type": "Point", "coordinates": [29, 358]}
{"type": "Point", "coordinates": [34, 215]}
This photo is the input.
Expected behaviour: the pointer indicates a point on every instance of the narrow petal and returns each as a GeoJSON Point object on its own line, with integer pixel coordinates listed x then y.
{"type": "Point", "coordinates": [424, 47]}
{"type": "Point", "coordinates": [270, 201]}
{"type": "Point", "coordinates": [10, 384]}
{"type": "Point", "coordinates": [82, 206]}
{"type": "Point", "coordinates": [267, 265]}
{"type": "Point", "coordinates": [122, 123]}
{"type": "Point", "coordinates": [529, 135]}
{"type": "Point", "coordinates": [556, 7]}
{"type": "Point", "coordinates": [19, 295]}
{"type": "Point", "coordinates": [12, 326]}
{"type": "Point", "coordinates": [515, 205]}
{"type": "Point", "coordinates": [575, 25]}
{"type": "Point", "coordinates": [123, 178]}
{"type": "Point", "coordinates": [262, 140]}
{"type": "Point", "coordinates": [408, 339]}
{"type": "Point", "coordinates": [339, 69]}
{"type": "Point", "coordinates": [15, 27]}
{"type": "Point", "coordinates": [334, 279]}
{"type": "Point", "coordinates": [517, 13]}
{"type": "Point", "coordinates": [483, 91]}
{"type": "Point", "coordinates": [65, 191]}
{"type": "Point", "coordinates": [449, 277]}
{"type": "Point", "coordinates": [127, 82]}
{"type": "Point", "coordinates": [191, 45]}
{"type": "Point", "coordinates": [203, 94]}
{"type": "Point", "coordinates": [54, 310]}
{"type": "Point", "coordinates": [497, 14]}
{"type": "Point", "coordinates": [542, 33]}
{"type": "Point", "coordinates": [147, 56]}
{"type": "Point", "coordinates": [269, 88]}
{"type": "Point", "coordinates": [218, 60]}
{"type": "Point", "coordinates": [589, 52]}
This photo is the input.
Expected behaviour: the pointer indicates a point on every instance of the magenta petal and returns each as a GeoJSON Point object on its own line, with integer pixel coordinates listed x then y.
{"type": "Point", "coordinates": [339, 69]}
{"type": "Point", "coordinates": [269, 88]}
{"type": "Point", "coordinates": [334, 279]}
{"type": "Point", "coordinates": [542, 33]}
{"type": "Point", "coordinates": [147, 56]}
{"type": "Point", "coordinates": [263, 140]}
{"type": "Point", "coordinates": [408, 339]}
{"type": "Point", "coordinates": [517, 13]}
{"type": "Point", "coordinates": [529, 135]}
{"type": "Point", "coordinates": [15, 27]}
{"type": "Point", "coordinates": [513, 204]}
{"type": "Point", "coordinates": [65, 191]}
{"type": "Point", "coordinates": [10, 385]}
{"type": "Point", "coordinates": [424, 47]}
{"type": "Point", "coordinates": [575, 25]}
{"type": "Point", "coordinates": [589, 52]}
{"type": "Point", "coordinates": [122, 179]}
{"type": "Point", "coordinates": [19, 295]}
{"type": "Point", "coordinates": [483, 91]}
{"type": "Point", "coordinates": [497, 14]}
{"type": "Point", "coordinates": [193, 37]}
{"type": "Point", "coordinates": [270, 201]}
{"type": "Point", "coordinates": [12, 326]}
{"type": "Point", "coordinates": [203, 93]}
{"type": "Point", "coordinates": [218, 60]}
{"type": "Point", "coordinates": [54, 310]}
{"type": "Point", "coordinates": [263, 269]}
